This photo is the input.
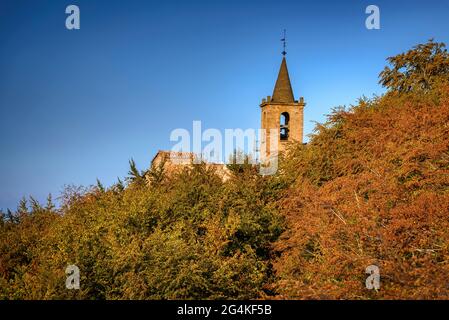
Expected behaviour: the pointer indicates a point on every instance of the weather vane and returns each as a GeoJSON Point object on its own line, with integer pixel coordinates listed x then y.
{"type": "Point", "coordinates": [284, 43]}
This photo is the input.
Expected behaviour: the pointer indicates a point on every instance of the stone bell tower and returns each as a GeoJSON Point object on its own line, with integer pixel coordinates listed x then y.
{"type": "Point", "coordinates": [282, 115]}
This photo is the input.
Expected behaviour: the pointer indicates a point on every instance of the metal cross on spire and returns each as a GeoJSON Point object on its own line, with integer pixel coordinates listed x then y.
{"type": "Point", "coordinates": [284, 43]}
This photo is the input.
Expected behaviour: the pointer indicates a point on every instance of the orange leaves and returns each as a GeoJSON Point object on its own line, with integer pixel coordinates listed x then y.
{"type": "Point", "coordinates": [372, 189]}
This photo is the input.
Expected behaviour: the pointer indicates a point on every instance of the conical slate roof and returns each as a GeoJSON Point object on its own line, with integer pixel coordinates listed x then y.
{"type": "Point", "coordinates": [283, 92]}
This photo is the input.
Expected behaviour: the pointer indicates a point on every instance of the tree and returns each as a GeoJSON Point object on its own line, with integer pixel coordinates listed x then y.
{"type": "Point", "coordinates": [240, 163]}
{"type": "Point", "coordinates": [371, 189]}
{"type": "Point", "coordinates": [134, 174]}
{"type": "Point", "coordinates": [2, 218]}
{"type": "Point", "coordinates": [100, 186]}
{"type": "Point", "coordinates": [156, 174]}
{"type": "Point", "coordinates": [119, 186]}
{"type": "Point", "coordinates": [418, 69]}
{"type": "Point", "coordinates": [10, 216]}
{"type": "Point", "coordinates": [35, 205]}
{"type": "Point", "coordinates": [22, 209]}
{"type": "Point", "coordinates": [50, 206]}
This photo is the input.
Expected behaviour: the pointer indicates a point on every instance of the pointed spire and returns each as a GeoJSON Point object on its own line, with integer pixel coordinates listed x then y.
{"type": "Point", "coordinates": [283, 92]}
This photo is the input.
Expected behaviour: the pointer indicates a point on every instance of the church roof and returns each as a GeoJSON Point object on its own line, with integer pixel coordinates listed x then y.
{"type": "Point", "coordinates": [283, 92]}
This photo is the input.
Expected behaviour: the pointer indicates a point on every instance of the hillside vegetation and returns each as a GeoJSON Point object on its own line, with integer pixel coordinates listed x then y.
{"type": "Point", "coordinates": [370, 188]}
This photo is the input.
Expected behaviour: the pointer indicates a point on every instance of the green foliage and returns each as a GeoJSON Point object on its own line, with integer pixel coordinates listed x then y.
{"type": "Point", "coordinates": [134, 175]}
{"type": "Point", "coordinates": [156, 174]}
{"type": "Point", "coordinates": [187, 236]}
{"type": "Point", "coordinates": [418, 69]}
{"type": "Point", "coordinates": [50, 206]}
{"type": "Point", "coordinates": [100, 186]}
{"type": "Point", "coordinates": [22, 209]}
{"type": "Point", "coordinates": [371, 187]}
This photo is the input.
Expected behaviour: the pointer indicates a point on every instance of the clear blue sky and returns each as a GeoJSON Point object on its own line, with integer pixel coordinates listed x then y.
{"type": "Point", "coordinates": [77, 105]}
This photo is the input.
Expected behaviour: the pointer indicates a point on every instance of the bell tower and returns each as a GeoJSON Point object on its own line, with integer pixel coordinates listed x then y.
{"type": "Point", "coordinates": [281, 114]}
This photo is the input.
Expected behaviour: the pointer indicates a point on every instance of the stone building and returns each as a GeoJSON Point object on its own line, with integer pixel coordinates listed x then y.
{"type": "Point", "coordinates": [281, 113]}
{"type": "Point", "coordinates": [281, 116]}
{"type": "Point", "coordinates": [172, 162]}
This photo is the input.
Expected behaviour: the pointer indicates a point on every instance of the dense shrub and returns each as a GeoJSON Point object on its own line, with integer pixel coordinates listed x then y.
{"type": "Point", "coordinates": [189, 236]}
{"type": "Point", "coordinates": [370, 188]}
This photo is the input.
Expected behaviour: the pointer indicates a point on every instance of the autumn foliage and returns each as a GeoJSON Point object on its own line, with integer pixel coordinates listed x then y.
{"type": "Point", "coordinates": [370, 188]}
